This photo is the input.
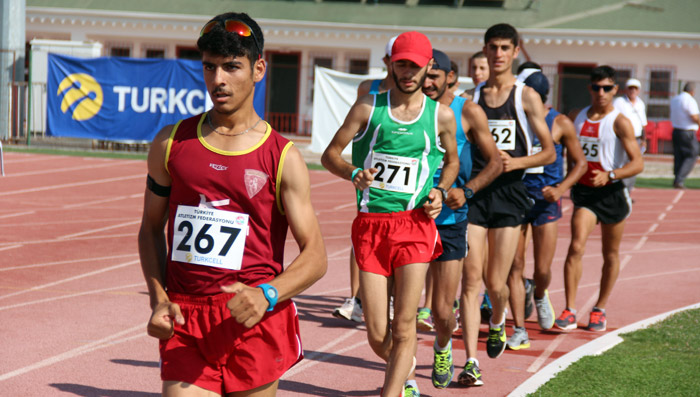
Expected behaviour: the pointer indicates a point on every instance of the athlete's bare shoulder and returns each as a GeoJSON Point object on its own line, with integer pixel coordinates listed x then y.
{"type": "Point", "coordinates": [364, 87]}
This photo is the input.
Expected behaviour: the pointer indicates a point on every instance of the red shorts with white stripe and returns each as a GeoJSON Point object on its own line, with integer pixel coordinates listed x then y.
{"type": "Point", "coordinates": [384, 241]}
{"type": "Point", "coordinates": [216, 353]}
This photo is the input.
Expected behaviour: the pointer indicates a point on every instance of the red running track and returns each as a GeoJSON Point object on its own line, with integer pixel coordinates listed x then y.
{"type": "Point", "coordinates": [74, 305]}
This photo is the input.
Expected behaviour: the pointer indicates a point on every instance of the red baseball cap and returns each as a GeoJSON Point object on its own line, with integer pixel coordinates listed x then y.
{"type": "Point", "coordinates": [412, 46]}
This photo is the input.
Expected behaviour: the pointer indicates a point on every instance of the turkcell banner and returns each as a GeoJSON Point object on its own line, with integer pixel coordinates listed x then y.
{"type": "Point", "coordinates": [125, 99]}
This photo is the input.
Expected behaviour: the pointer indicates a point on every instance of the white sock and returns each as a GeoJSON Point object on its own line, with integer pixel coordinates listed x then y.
{"type": "Point", "coordinates": [474, 360]}
{"type": "Point", "coordinates": [412, 383]}
{"type": "Point", "coordinates": [442, 348]}
{"type": "Point", "coordinates": [492, 325]}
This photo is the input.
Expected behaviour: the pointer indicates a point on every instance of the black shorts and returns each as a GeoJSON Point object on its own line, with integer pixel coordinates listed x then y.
{"type": "Point", "coordinates": [544, 212]}
{"type": "Point", "coordinates": [454, 241]}
{"type": "Point", "coordinates": [500, 206]}
{"type": "Point", "coordinates": [610, 203]}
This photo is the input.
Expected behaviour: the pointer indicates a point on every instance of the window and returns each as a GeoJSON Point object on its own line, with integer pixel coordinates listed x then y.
{"type": "Point", "coordinates": [325, 61]}
{"type": "Point", "coordinates": [188, 53]}
{"type": "Point", "coordinates": [120, 51]}
{"type": "Point", "coordinates": [623, 73]}
{"type": "Point", "coordinates": [155, 53]}
{"type": "Point", "coordinates": [358, 66]}
{"type": "Point", "coordinates": [660, 83]}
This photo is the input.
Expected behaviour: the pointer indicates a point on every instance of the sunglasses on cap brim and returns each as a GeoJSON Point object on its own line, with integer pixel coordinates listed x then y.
{"type": "Point", "coordinates": [233, 26]}
{"type": "Point", "coordinates": [606, 88]}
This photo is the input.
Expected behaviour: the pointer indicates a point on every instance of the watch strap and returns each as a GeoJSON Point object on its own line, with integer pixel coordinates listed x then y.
{"type": "Point", "coordinates": [270, 293]}
{"type": "Point", "coordinates": [444, 193]}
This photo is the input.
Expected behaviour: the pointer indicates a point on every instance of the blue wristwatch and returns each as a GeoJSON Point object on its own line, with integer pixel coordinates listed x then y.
{"type": "Point", "coordinates": [270, 294]}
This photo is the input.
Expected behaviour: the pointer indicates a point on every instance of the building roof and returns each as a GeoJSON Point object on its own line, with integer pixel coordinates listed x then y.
{"type": "Point", "coordinates": [662, 16]}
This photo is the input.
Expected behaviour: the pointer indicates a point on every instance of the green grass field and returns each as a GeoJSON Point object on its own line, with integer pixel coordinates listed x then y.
{"type": "Point", "coordinates": [662, 360]}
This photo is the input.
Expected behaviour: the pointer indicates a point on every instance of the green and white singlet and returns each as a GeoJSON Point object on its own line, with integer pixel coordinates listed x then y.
{"type": "Point", "coordinates": [407, 154]}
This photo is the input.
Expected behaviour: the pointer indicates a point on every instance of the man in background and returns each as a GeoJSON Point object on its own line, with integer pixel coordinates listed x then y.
{"type": "Point", "coordinates": [685, 120]}
{"type": "Point", "coordinates": [632, 107]}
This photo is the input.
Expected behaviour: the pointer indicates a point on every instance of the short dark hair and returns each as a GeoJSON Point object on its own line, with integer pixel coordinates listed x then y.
{"type": "Point", "coordinates": [476, 55]}
{"type": "Point", "coordinates": [502, 31]}
{"type": "Point", "coordinates": [455, 68]}
{"type": "Point", "coordinates": [689, 87]}
{"type": "Point", "coordinates": [220, 42]}
{"type": "Point", "coordinates": [528, 65]}
{"type": "Point", "coordinates": [603, 72]}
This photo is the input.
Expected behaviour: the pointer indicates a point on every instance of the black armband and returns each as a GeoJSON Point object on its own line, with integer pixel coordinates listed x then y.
{"type": "Point", "coordinates": [159, 190]}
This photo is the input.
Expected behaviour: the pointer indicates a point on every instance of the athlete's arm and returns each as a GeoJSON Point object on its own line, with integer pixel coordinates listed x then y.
{"type": "Point", "coordinates": [563, 131]}
{"type": "Point", "coordinates": [450, 164]}
{"type": "Point", "coordinates": [474, 118]}
{"type": "Point", "coordinates": [249, 304]}
{"type": "Point", "coordinates": [363, 88]}
{"type": "Point", "coordinates": [476, 125]}
{"type": "Point", "coordinates": [152, 246]}
{"type": "Point", "coordinates": [625, 133]}
{"type": "Point", "coordinates": [332, 159]}
{"type": "Point", "coordinates": [534, 109]}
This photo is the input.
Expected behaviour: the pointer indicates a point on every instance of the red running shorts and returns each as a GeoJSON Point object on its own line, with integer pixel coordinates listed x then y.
{"type": "Point", "coordinates": [216, 353]}
{"type": "Point", "coordinates": [384, 241]}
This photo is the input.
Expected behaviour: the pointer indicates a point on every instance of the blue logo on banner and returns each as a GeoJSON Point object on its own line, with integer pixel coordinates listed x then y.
{"type": "Point", "coordinates": [125, 98]}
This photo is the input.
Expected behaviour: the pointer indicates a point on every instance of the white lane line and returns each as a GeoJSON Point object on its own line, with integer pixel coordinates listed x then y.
{"type": "Point", "coordinates": [81, 167]}
{"type": "Point", "coordinates": [328, 292]}
{"type": "Point", "coordinates": [329, 182]}
{"type": "Point", "coordinates": [67, 185]}
{"type": "Point", "coordinates": [99, 258]}
{"type": "Point", "coordinates": [90, 347]}
{"type": "Point", "coordinates": [678, 197]}
{"type": "Point", "coordinates": [594, 347]}
{"type": "Point", "coordinates": [69, 279]}
{"type": "Point", "coordinates": [62, 222]}
{"type": "Point", "coordinates": [102, 229]}
{"type": "Point", "coordinates": [344, 206]}
{"type": "Point", "coordinates": [322, 354]}
{"type": "Point", "coordinates": [57, 298]}
{"type": "Point", "coordinates": [339, 253]}
{"type": "Point", "coordinates": [121, 235]}
{"type": "Point", "coordinates": [17, 214]}
{"type": "Point", "coordinates": [88, 203]}
{"type": "Point", "coordinates": [9, 247]}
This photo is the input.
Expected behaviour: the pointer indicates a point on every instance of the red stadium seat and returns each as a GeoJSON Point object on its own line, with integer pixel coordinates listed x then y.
{"type": "Point", "coordinates": [652, 141]}
{"type": "Point", "coordinates": [664, 133]}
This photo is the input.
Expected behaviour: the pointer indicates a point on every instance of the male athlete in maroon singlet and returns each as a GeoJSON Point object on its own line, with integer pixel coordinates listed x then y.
{"type": "Point", "coordinates": [229, 187]}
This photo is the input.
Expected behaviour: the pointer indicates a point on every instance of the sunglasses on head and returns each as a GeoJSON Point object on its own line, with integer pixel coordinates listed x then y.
{"type": "Point", "coordinates": [606, 88]}
{"type": "Point", "coordinates": [233, 26]}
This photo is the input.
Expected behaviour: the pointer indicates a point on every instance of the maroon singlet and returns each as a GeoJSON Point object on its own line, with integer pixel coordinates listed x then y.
{"type": "Point", "coordinates": [246, 182]}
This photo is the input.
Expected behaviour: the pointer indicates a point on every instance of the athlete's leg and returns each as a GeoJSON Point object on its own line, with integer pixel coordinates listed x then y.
{"type": "Point", "coordinates": [182, 389]}
{"type": "Point", "coordinates": [515, 279]}
{"type": "Point", "coordinates": [544, 240]}
{"type": "Point", "coordinates": [472, 280]}
{"type": "Point", "coordinates": [446, 275]}
{"type": "Point", "coordinates": [612, 236]}
{"type": "Point", "coordinates": [409, 281]}
{"type": "Point", "coordinates": [268, 390]}
{"type": "Point", "coordinates": [583, 222]}
{"type": "Point", "coordinates": [429, 288]}
{"type": "Point", "coordinates": [376, 312]}
{"type": "Point", "coordinates": [503, 242]}
{"type": "Point", "coordinates": [354, 276]}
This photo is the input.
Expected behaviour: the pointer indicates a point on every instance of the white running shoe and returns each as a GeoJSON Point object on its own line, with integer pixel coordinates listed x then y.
{"type": "Point", "coordinates": [350, 310]}
{"type": "Point", "coordinates": [545, 311]}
